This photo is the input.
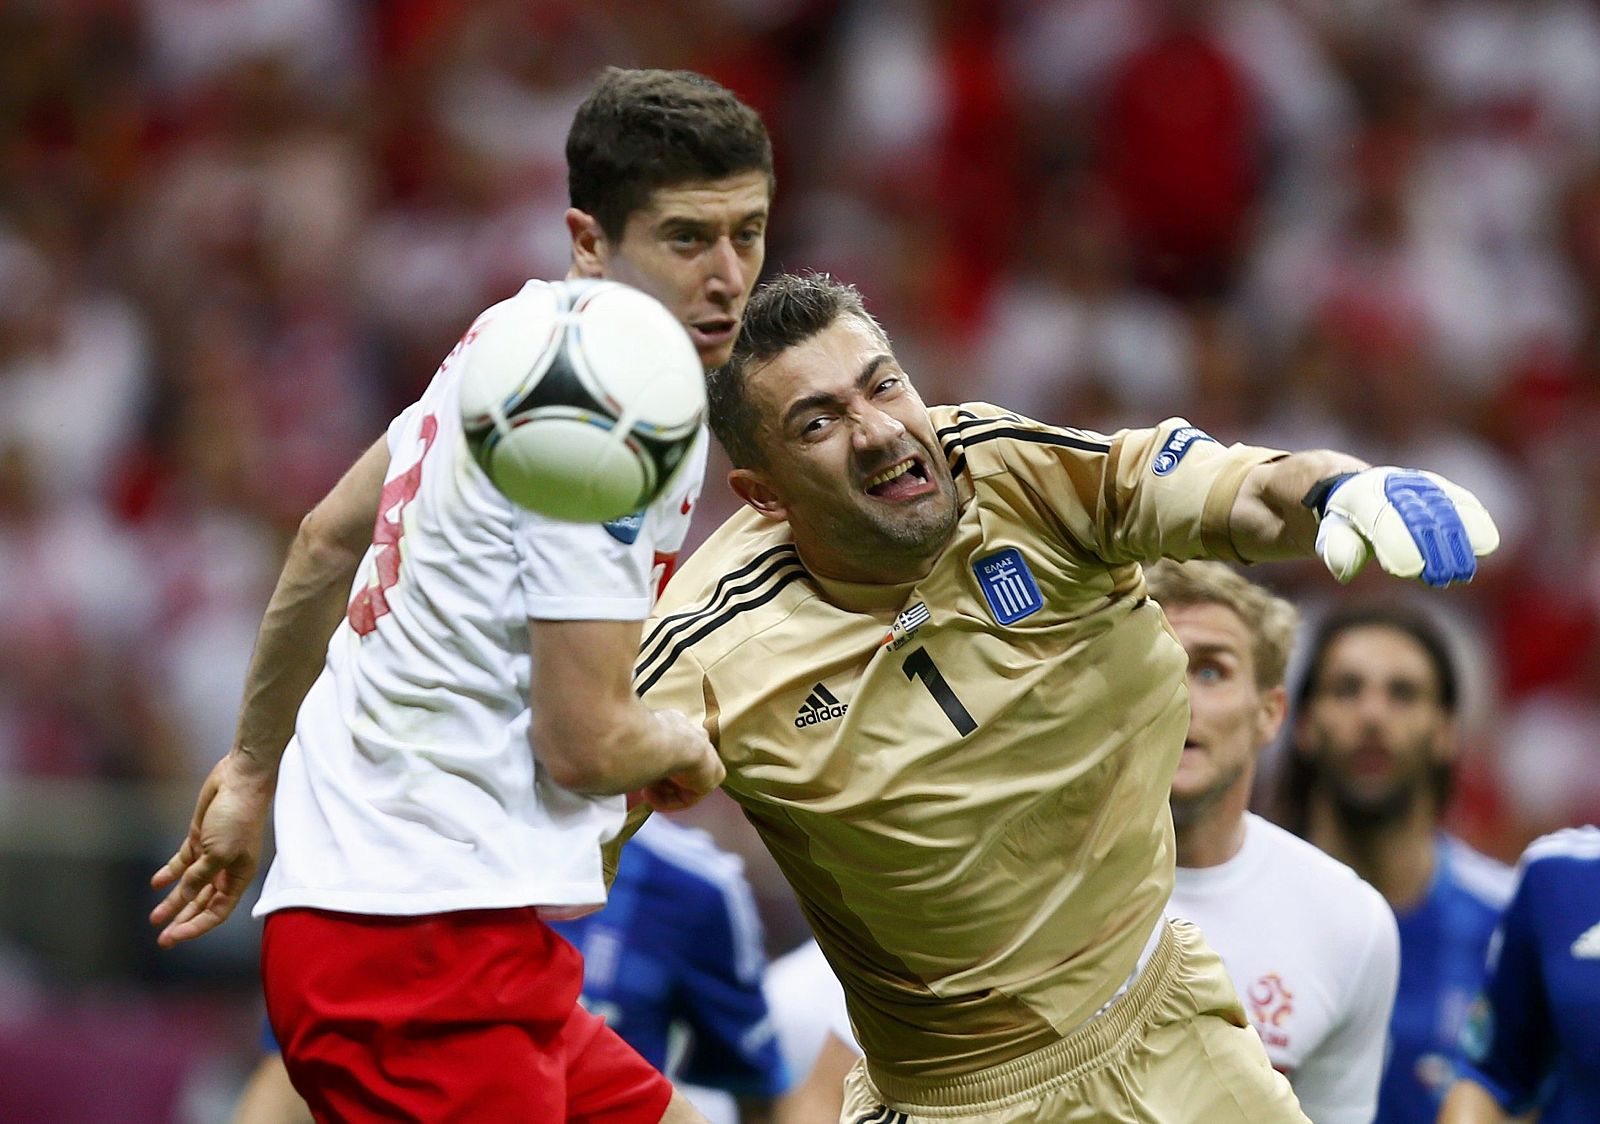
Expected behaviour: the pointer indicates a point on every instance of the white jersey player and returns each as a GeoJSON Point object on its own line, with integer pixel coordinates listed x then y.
{"type": "Point", "coordinates": [463, 749]}
{"type": "Point", "coordinates": [407, 788]}
{"type": "Point", "coordinates": [1312, 950]}
{"type": "Point", "coordinates": [1314, 954]}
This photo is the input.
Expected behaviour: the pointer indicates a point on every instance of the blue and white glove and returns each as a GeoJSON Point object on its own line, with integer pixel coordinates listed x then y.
{"type": "Point", "coordinates": [1419, 525]}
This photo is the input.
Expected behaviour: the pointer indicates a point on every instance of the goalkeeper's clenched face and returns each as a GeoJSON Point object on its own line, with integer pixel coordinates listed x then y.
{"type": "Point", "coordinates": [849, 457]}
{"type": "Point", "coordinates": [1374, 726]}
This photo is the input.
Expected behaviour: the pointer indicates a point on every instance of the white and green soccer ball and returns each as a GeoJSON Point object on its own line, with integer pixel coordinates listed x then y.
{"type": "Point", "coordinates": [580, 399]}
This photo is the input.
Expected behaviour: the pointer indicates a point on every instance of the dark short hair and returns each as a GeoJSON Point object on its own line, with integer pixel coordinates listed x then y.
{"type": "Point", "coordinates": [783, 313]}
{"type": "Point", "coordinates": [1299, 775]}
{"type": "Point", "coordinates": [642, 130]}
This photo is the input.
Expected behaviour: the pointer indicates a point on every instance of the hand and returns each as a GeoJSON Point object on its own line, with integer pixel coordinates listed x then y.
{"type": "Point", "coordinates": [1419, 525]}
{"type": "Point", "coordinates": [220, 854]}
{"type": "Point", "coordinates": [684, 788]}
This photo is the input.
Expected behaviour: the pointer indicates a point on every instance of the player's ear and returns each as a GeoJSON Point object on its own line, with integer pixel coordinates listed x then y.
{"type": "Point", "coordinates": [1269, 719]}
{"type": "Point", "coordinates": [590, 250]}
{"type": "Point", "coordinates": [752, 487]}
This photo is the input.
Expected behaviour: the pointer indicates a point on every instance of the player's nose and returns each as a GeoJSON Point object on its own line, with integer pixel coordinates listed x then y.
{"type": "Point", "coordinates": [725, 278]}
{"type": "Point", "coordinates": [876, 428]}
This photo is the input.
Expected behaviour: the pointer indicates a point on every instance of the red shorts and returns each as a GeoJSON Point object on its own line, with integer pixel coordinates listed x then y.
{"type": "Point", "coordinates": [467, 1016]}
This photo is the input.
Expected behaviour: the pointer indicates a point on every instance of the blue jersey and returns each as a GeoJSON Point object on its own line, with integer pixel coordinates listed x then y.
{"type": "Point", "coordinates": [1443, 943]}
{"type": "Point", "coordinates": [1537, 1044]}
{"type": "Point", "coordinates": [674, 963]}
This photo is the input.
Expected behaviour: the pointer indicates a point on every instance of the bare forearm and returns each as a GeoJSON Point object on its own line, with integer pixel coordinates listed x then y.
{"type": "Point", "coordinates": [291, 646]}
{"type": "Point", "coordinates": [305, 608]}
{"type": "Point", "coordinates": [620, 750]}
{"type": "Point", "coordinates": [1470, 1103]}
{"type": "Point", "coordinates": [590, 731]}
{"type": "Point", "coordinates": [1268, 521]}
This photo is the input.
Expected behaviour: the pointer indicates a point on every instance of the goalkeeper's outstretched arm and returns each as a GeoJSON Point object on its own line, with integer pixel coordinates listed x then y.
{"type": "Point", "coordinates": [1417, 524]}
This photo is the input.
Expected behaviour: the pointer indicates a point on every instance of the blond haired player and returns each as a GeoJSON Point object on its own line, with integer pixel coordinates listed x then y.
{"type": "Point", "coordinates": [1313, 950]}
{"type": "Point", "coordinates": [445, 680]}
{"type": "Point", "coordinates": [975, 820]}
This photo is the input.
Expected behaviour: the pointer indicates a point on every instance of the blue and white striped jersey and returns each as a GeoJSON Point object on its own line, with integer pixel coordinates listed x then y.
{"type": "Point", "coordinates": [1535, 1040]}
{"type": "Point", "coordinates": [1443, 943]}
{"type": "Point", "coordinates": [675, 959]}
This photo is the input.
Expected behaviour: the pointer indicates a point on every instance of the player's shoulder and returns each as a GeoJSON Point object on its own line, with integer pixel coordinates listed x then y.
{"type": "Point", "coordinates": [983, 438]}
{"type": "Point", "coordinates": [1574, 844]}
{"type": "Point", "coordinates": [746, 577]}
{"type": "Point", "coordinates": [1343, 897]}
{"type": "Point", "coordinates": [1481, 879]}
{"type": "Point", "coordinates": [1552, 860]}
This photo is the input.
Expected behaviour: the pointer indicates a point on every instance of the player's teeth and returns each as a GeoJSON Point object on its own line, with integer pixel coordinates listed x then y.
{"type": "Point", "coordinates": [890, 474]}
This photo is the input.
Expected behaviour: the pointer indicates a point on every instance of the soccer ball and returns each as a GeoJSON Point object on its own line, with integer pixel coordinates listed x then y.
{"type": "Point", "coordinates": [580, 399]}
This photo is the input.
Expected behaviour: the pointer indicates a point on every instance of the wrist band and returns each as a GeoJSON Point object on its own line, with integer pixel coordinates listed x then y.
{"type": "Point", "coordinates": [1317, 498]}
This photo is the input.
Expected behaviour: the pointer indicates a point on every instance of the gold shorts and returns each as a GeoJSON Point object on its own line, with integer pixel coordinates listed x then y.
{"type": "Point", "coordinates": [1175, 1048]}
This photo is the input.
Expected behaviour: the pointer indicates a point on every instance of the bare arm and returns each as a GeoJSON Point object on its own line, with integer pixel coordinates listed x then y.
{"type": "Point", "coordinates": [819, 1099]}
{"type": "Point", "coordinates": [219, 856]}
{"type": "Point", "coordinates": [269, 1098]}
{"type": "Point", "coordinates": [306, 607]}
{"type": "Point", "coordinates": [591, 731]}
{"type": "Point", "coordinates": [1470, 1103]}
{"type": "Point", "coordinates": [1268, 522]}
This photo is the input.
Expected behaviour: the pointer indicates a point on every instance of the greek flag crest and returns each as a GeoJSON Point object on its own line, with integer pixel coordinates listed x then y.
{"type": "Point", "coordinates": [1008, 585]}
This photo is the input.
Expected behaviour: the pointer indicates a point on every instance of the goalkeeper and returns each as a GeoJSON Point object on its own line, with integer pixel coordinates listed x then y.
{"type": "Point", "coordinates": [927, 657]}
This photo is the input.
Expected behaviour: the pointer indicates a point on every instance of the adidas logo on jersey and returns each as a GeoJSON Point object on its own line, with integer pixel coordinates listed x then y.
{"type": "Point", "coordinates": [1587, 947]}
{"type": "Point", "coordinates": [820, 706]}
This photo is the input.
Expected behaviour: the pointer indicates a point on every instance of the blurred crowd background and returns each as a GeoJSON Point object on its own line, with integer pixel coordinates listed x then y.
{"type": "Point", "coordinates": [236, 236]}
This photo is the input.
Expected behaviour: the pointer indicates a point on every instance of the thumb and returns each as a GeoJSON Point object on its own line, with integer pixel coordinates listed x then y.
{"type": "Point", "coordinates": [1341, 547]}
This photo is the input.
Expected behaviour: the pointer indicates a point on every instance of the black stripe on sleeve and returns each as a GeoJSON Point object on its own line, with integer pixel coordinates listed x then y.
{"type": "Point", "coordinates": [786, 573]}
{"type": "Point", "coordinates": [673, 622]}
{"type": "Point", "coordinates": [1041, 437]}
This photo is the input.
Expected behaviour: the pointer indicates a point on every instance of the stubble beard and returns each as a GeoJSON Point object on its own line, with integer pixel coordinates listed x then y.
{"type": "Point", "coordinates": [1190, 810]}
{"type": "Point", "coordinates": [1361, 813]}
{"type": "Point", "coordinates": [919, 533]}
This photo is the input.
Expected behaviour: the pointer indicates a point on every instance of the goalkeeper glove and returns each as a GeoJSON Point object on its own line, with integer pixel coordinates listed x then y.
{"type": "Point", "coordinates": [1418, 524]}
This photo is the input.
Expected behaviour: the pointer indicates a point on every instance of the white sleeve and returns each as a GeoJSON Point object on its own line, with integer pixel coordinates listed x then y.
{"type": "Point", "coordinates": [1338, 1083]}
{"type": "Point", "coordinates": [580, 572]}
{"type": "Point", "coordinates": [612, 571]}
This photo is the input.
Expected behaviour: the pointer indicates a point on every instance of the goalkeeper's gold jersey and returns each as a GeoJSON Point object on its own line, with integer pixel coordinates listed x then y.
{"type": "Point", "coordinates": [965, 778]}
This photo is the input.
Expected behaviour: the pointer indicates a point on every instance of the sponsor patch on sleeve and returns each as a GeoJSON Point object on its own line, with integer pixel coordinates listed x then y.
{"type": "Point", "coordinates": [1177, 447]}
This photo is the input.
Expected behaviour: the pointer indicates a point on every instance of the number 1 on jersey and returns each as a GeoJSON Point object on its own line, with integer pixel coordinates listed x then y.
{"type": "Point", "coordinates": [919, 665]}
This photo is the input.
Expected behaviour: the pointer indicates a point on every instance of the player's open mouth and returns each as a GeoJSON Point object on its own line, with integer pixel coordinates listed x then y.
{"type": "Point", "coordinates": [713, 333]}
{"type": "Point", "coordinates": [904, 480]}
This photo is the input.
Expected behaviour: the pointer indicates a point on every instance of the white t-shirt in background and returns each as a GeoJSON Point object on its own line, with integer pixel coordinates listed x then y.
{"type": "Point", "coordinates": [1314, 954]}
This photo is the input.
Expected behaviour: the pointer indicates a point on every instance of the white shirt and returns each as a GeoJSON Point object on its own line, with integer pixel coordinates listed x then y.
{"type": "Point", "coordinates": [1314, 954]}
{"type": "Point", "coordinates": [410, 786]}
{"type": "Point", "coordinates": [806, 1001]}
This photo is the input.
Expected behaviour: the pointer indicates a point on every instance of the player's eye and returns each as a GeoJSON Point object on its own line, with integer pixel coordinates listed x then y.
{"type": "Point", "coordinates": [885, 385]}
{"type": "Point", "coordinates": [1405, 693]}
{"type": "Point", "coordinates": [1345, 687]}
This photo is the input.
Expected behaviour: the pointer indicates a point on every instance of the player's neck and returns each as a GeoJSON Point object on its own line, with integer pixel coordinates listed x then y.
{"type": "Point", "coordinates": [1212, 841]}
{"type": "Point", "coordinates": [1396, 858]}
{"type": "Point", "coordinates": [1212, 834]}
